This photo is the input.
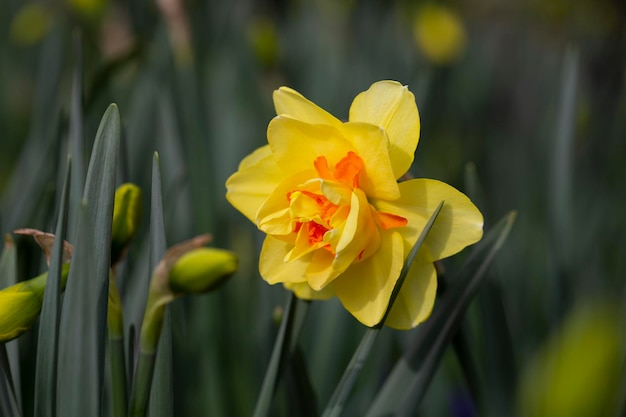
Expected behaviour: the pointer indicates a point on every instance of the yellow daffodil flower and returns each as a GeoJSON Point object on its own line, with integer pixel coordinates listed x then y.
{"type": "Point", "coordinates": [337, 221]}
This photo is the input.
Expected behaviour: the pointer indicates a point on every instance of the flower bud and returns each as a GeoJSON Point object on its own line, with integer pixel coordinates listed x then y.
{"type": "Point", "coordinates": [21, 303]}
{"type": "Point", "coordinates": [187, 267]}
{"type": "Point", "coordinates": [202, 270]}
{"type": "Point", "coordinates": [18, 312]}
{"type": "Point", "coordinates": [127, 212]}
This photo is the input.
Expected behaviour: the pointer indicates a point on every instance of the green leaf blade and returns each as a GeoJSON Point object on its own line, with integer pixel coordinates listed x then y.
{"type": "Point", "coordinates": [161, 403]}
{"type": "Point", "coordinates": [408, 381]}
{"type": "Point", "coordinates": [337, 401]}
{"type": "Point", "coordinates": [83, 319]}
{"type": "Point", "coordinates": [9, 354]}
{"type": "Point", "coordinates": [47, 346]}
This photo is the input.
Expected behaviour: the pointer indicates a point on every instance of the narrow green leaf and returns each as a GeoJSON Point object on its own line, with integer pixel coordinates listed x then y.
{"type": "Point", "coordinates": [302, 397]}
{"type": "Point", "coordinates": [299, 384]}
{"type": "Point", "coordinates": [161, 399]}
{"type": "Point", "coordinates": [8, 263]}
{"type": "Point", "coordinates": [500, 369]}
{"type": "Point", "coordinates": [473, 187]}
{"type": "Point", "coordinates": [189, 105]}
{"type": "Point", "coordinates": [407, 383]}
{"type": "Point", "coordinates": [9, 354]}
{"type": "Point", "coordinates": [337, 401]}
{"type": "Point", "coordinates": [76, 137]}
{"type": "Point", "coordinates": [560, 197]}
{"type": "Point", "coordinates": [33, 170]}
{"type": "Point", "coordinates": [496, 361]}
{"type": "Point", "coordinates": [340, 395]}
{"type": "Point", "coordinates": [47, 345]}
{"type": "Point", "coordinates": [463, 351]}
{"type": "Point", "coordinates": [152, 385]}
{"type": "Point", "coordinates": [8, 403]}
{"type": "Point", "coordinates": [83, 319]}
{"type": "Point", "coordinates": [278, 358]}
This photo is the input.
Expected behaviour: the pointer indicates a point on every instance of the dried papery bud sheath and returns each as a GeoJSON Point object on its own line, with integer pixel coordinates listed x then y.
{"type": "Point", "coordinates": [127, 212]}
{"type": "Point", "coordinates": [202, 270]}
{"type": "Point", "coordinates": [21, 303]}
{"type": "Point", "coordinates": [45, 241]}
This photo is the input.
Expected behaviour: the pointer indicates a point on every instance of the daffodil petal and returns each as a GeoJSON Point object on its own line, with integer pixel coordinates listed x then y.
{"type": "Point", "coordinates": [273, 216]}
{"type": "Point", "coordinates": [365, 288]}
{"type": "Point", "coordinates": [289, 102]}
{"type": "Point", "coordinates": [304, 291]}
{"type": "Point", "coordinates": [296, 144]}
{"type": "Point", "coordinates": [321, 271]}
{"type": "Point", "coordinates": [256, 156]}
{"type": "Point", "coordinates": [274, 269]}
{"type": "Point", "coordinates": [416, 297]}
{"type": "Point", "coordinates": [391, 105]}
{"type": "Point", "coordinates": [458, 225]}
{"type": "Point", "coordinates": [372, 146]}
{"type": "Point", "coordinates": [358, 233]}
{"type": "Point", "coordinates": [248, 188]}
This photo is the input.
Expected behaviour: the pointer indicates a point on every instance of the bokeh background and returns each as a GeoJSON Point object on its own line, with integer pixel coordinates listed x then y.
{"type": "Point", "coordinates": [523, 100]}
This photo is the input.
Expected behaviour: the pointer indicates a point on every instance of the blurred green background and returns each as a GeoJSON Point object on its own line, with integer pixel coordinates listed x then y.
{"type": "Point", "coordinates": [529, 97]}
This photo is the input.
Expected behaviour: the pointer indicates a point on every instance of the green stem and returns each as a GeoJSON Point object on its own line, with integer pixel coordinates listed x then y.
{"type": "Point", "coordinates": [338, 399]}
{"type": "Point", "coordinates": [277, 361]}
{"type": "Point", "coordinates": [141, 386]}
{"type": "Point", "coordinates": [118, 377]}
{"type": "Point", "coordinates": [115, 328]}
{"type": "Point", "coordinates": [148, 343]}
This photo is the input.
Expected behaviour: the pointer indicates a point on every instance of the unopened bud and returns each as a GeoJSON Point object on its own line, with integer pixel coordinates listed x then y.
{"type": "Point", "coordinates": [18, 312]}
{"type": "Point", "coordinates": [21, 303]}
{"type": "Point", "coordinates": [127, 211]}
{"type": "Point", "coordinates": [202, 270]}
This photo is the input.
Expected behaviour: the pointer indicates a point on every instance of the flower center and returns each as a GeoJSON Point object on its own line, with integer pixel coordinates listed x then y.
{"type": "Point", "coordinates": [320, 208]}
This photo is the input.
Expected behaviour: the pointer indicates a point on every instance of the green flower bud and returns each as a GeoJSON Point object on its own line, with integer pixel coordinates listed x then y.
{"type": "Point", "coordinates": [202, 270]}
{"type": "Point", "coordinates": [187, 267]}
{"type": "Point", "coordinates": [127, 211]}
{"type": "Point", "coordinates": [21, 303]}
{"type": "Point", "coordinates": [18, 311]}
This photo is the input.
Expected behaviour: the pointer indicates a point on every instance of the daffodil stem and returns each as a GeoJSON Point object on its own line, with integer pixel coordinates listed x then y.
{"type": "Point", "coordinates": [142, 384]}
{"type": "Point", "coordinates": [277, 361]}
{"type": "Point", "coordinates": [115, 324]}
{"type": "Point", "coordinates": [148, 342]}
{"type": "Point", "coordinates": [38, 283]}
{"type": "Point", "coordinates": [338, 399]}
{"type": "Point", "coordinates": [118, 377]}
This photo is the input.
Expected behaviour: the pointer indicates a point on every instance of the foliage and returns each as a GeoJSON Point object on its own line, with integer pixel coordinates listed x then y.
{"type": "Point", "coordinates": [528, 114]}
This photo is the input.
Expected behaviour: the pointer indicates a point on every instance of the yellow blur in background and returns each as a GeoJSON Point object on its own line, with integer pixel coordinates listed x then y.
{"type": "Point", "coordinates": [577, 373]}
{"type": "Point", "coordinates": [439, 33]}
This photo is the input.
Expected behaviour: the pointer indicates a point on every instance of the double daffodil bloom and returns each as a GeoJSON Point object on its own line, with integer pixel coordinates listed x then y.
{"type": "Point", "coordinates": [337, 221]}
